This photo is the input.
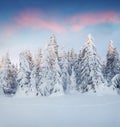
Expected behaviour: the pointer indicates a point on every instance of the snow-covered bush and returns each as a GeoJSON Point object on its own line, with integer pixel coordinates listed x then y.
{"type": "Point", "coordinates": [116, 82]}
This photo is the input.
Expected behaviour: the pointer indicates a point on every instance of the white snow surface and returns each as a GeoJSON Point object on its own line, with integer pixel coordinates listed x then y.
{"type": "Point", "coordinates": [73, 110]}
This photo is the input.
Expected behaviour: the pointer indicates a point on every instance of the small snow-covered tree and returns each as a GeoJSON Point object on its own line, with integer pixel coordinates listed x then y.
{"type": "Point", "coordinates": [57, 80]}
{"type": "Point", "coordinates": [8, 75]}
{"type": "Point", "coordinates": [37, 71]}
{"type": "Point", "coordinates": [72, 57]}
{"type": "Point", "coordinates": [112, 66]}
{"type": "Point", "coordinates": [45, 88]}
{"type": "Point", "coordinates": [63, 63]}
{"type": "Point", "coordinates": [77, 69]}
{"type": "Point", "coordinates": [73, 85]}
{"type": "Point", "coordinates": [91, 69]}
{"type": "Point", "coordinates": [1, 85]}
{"type": "Point", "coordinates": [52, 50]}
{"type": "Point", "coordinates": [24, 74]}
{"type": "Point", "coordinates": [116, 82]}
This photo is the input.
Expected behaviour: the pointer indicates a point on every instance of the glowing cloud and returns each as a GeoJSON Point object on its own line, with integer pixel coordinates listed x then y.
{"type": "Point", "coordinates": [35, 22]}
{"type": "Point", "coordinates": [80, 21]}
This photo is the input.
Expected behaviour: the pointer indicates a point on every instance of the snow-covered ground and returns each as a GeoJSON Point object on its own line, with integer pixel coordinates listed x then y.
{"type": "Point", "coordinates": [74, 110]}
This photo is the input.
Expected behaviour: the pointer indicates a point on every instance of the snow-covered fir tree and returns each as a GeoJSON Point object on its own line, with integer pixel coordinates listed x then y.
{"type": "Point", "coordinates": [91, 69]}
{"type": "Point", "coordinates": [112, 66]}
{"type": "Point", "coordinates": [57, 80]}
{"type": "Point", "coordinates": [72, 57]}
{"type": "Point", "coordinates": [1, 85]}
{"type": "Point", "coordinates": [72, 85]}
{"type": "Point", "coordinates": [116, 82]}
{"type": "Point", "coordinates": [52, 82]}
{"type": "Point", "coordinates": [43, 85]}
{"type": "Point", "coordinates": [8, 76]}
{"type": "Point", "coordinates": [52, 49]}
{"type": "Point", "coordinates": [37, 72]}
{"type": "Point", "coordinates": [77, 69]}
{"type": "Point", "coordinates": [24, 74]}
{"type": "Point", "coordinates": [63, 63]}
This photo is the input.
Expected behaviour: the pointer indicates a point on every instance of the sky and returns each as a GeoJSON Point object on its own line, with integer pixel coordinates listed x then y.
{"type": "Point", "coordinates": [28, 24]}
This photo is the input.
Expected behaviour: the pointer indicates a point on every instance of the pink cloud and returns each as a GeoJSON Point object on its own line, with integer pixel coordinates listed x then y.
{"type": "Point", "coordinates": [31, 20]}
{"type": "Point", "coordinates": [35, 22]}
{"type": "Point", "coordinates": [80, 21]}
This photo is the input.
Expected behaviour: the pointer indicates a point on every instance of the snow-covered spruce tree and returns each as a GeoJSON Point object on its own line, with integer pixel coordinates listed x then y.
{"type": "Point", "coordinates": [52, 48]}
{"type": "Point", "coordinates": [63, 63]}
{"type": "Point", "coordinates": [52, 82]}
{"type": "Point", "coordinates": [91, 69]}
{"type": "Point", "coordinates": [57, 80]}
{"type": "Point", "coordinates": [112, 66]}
{"type": "Point", "coordinates": [37, 72]}
{"type": "Point", "coordinates": [72, 58]}
{"type": "Point", "coordinates": [1, 86]}
{"type": "Point", "coordinates": [8, 75]}
{"type": "Point", "coordinates": [44, 86]}
{"type": "Point", "coordinates": [77, 69]}
{"type": "Point", "coordinates": [72, 86]}
{"type": "Point", "coordinates": [116, 82]}
{"type": "Point", "coordinates": [24, 74]}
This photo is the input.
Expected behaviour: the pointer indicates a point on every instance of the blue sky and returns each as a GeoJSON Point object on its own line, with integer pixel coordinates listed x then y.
{"type": "Point", "coordinates": [30, 23]}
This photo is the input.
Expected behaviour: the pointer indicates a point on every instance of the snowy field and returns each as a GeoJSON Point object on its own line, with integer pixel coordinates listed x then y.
{"type": "Point", "coordinates": [75, 110]}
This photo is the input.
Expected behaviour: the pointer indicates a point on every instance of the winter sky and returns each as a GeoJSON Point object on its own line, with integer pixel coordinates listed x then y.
{"type": "Point", "coordinates": [28, 24]}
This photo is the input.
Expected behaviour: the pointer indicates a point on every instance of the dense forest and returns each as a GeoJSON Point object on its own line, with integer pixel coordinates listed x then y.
{"type": "Point", "coordinates": [55, 70]}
